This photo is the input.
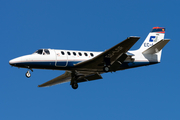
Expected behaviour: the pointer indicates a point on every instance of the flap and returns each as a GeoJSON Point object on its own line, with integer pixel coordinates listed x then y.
{"type": "Point", "coordinates": [93, 77]}
{"type": "Point", "coordinates": [90, 77]}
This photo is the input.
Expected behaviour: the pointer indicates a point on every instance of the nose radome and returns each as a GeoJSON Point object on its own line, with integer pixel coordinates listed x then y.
{"type": "Point", "coordinates": [19, 60]}
{"type": "Point", "coordinates": [14, 61]}
{"type": "Point", "coordinates": [11, 62]}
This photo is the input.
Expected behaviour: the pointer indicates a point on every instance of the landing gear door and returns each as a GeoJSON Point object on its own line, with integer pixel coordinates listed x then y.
{"type": "Point", "coordinates": [61, 58]}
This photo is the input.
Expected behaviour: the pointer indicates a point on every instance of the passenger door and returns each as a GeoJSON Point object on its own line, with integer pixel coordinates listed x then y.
{"type": "Point", "coordinates": [61, 58]}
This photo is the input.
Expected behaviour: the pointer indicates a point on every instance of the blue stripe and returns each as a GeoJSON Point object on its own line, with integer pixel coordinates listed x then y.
{"type": "Point", "coordinates": [52, 64]}
{"type": "Point", "coordinates": [71, 64]}
{"type": "Point", "coordinates": [135, 64]}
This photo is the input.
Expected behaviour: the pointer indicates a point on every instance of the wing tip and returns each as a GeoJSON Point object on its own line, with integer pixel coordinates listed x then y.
{"type": "Point", "coordinates": [136, 37]}
{"type": "Point", "coordinates": [41, 86]}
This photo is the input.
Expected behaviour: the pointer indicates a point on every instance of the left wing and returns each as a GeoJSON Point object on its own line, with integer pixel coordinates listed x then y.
{"type": "Point", "coordinates": [66, 77]}
{"type": "Point", "coordinates": [111, 57]}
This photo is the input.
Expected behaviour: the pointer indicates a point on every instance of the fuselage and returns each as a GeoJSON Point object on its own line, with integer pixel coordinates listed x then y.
{"type": "Point", "coordinates": [53, 59]}
{"type": "Point", "coordinates": [67, 59]}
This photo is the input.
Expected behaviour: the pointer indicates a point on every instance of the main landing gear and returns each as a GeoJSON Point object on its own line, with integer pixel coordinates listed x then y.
{"type": "Point", "coordinates": [106, 69]}
{"type": "Point", "coordinates": [107, 63]}
{"type": "Point", "coordinates": [74, 85]}
{"type": "Point", "coordinates": [74, 79]}
{"type": "Point", "coordinates": [28, 74]}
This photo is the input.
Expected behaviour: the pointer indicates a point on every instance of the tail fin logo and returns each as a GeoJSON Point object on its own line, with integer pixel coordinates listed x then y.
{"type": "Point", "coordinates": [152, 39]}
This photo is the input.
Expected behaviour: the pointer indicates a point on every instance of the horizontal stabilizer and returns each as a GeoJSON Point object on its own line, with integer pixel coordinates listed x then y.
{"type": "Point", "coordinates": [157, 47]}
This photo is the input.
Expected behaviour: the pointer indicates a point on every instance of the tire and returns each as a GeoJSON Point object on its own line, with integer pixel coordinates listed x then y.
{"type": "Point", "coordinates": [28, 74]}
{"type": "Point", "coordinates": [74, 85]}
{"type": "Point", "coordinates": [106, 69]}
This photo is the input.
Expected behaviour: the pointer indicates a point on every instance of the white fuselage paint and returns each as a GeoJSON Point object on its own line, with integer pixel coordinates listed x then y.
{"type": "Point", "coordinates": [57, 60]}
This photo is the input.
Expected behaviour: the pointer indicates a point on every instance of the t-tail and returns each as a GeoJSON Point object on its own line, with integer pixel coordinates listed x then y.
{"type": "Point", "coordinates": [153, 44]}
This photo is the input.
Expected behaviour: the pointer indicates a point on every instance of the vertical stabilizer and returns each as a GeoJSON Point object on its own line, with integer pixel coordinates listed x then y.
{"type": "Point", "coordinates": [156, 34]}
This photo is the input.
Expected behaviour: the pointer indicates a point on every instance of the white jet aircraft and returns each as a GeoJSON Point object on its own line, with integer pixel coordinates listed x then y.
{"type": "Point", "coordinates": [82, 66]}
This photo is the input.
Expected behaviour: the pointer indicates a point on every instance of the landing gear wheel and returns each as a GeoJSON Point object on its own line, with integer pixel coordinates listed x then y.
{"type": "Point", "coordinates": [106, 69]}
{"type": "Point", "coordinates": [28, 74]}
{"type": "Point", "coordinates": [74, 85]}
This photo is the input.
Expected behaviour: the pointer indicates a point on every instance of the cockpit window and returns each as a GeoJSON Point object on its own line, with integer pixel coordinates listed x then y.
{"type": "Point", "coordinates": [46, 51]}
{"type": "Point", "coordinates": [43, 51]}
{"type": "Point", "coordinates": [39, 51]}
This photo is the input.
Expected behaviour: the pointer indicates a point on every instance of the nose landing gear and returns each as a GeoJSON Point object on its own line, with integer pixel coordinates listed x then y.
{"type": "Point", "coordinates": [28, 74]}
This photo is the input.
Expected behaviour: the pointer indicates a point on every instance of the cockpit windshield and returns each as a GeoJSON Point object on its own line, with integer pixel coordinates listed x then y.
{"type": "Point", "coordinates": [46, 51]}
{"type": "Point", "coordinates": [39, 51]}
{"type": "Point", "coordinates": [43, 52]}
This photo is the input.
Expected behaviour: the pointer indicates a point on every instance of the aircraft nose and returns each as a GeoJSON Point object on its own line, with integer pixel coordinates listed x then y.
{"type": "Point", "coordinates": [13, 62]}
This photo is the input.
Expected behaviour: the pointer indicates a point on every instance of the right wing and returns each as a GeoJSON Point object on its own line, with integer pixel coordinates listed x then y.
{"type": "Point", "coordinates": [114, 57]}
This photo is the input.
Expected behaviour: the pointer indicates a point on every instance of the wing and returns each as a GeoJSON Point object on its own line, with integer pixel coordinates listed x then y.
{"type": "Point", "coordinates": [66, 77]}
{"type": "Point", "coordinates": [113, 56]}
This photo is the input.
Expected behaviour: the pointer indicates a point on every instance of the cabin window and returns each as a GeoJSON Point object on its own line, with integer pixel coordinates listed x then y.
{"type": "Point", "coordinates": [74, 53]}
{"type": "Point", "coordinates": [62, 53]}
{"type": "Point", "coordinates": [85, 54]}
{"type": "Point", "coordinates": [92, 54]}
{"type": "Point", "coordinates": [68, 53]}
{"type": "Point", "coordinates": [80, 54]}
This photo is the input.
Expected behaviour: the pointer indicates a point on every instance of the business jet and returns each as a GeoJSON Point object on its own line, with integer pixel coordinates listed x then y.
{"type": "Point", "coordinates": [83, 66]}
